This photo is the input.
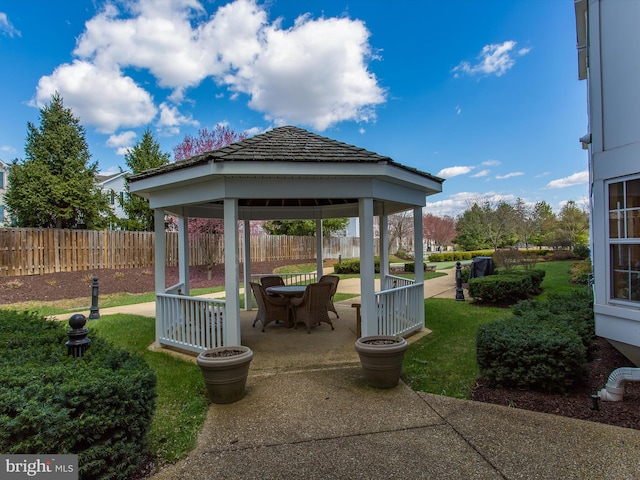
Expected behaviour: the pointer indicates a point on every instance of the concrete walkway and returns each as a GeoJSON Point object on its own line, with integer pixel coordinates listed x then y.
{"type": "Point", "coordinates": [308, 414]}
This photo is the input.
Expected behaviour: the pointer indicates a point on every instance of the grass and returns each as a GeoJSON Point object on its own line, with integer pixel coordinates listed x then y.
{"type": "Point", "coordinates": [105, 301]}
{"type": "Point", "coordinates": [444, 362]}
{"type": "Point", "coordinates": [181, 405]}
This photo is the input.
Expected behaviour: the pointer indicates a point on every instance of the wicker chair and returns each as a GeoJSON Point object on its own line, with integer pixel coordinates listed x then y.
{"type": "Point", "coordinates": [333, 280]}
{"type": "Point", "coordinates": [270, 309]}
{"type": "Point", "coordinates": [272, 281]}
{"type": "Point", "coordinates": [311, 308]}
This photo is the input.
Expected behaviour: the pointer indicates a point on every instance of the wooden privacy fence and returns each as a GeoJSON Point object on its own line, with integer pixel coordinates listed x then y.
{"type": "Point", "coordinates": [33, 251]}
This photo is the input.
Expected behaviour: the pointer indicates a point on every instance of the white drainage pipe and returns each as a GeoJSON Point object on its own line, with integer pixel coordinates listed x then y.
{"type": "Point", "coordinates": [614, 389]}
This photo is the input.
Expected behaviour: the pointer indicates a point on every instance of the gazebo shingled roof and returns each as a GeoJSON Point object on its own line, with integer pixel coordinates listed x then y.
{"type": "Point", "coordinates": [284, 144]}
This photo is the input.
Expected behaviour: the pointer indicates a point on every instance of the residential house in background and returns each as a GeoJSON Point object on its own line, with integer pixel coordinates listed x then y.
{"type": "Point", "coordinates": [115, 186]}
{"type": "Point", "coordinates": [607, 39]}
{"type": "Point", "coordinates": [4, 172]}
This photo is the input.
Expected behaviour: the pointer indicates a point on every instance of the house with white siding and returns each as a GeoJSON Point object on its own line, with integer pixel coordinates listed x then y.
{"type": "Point", "coordinates": [607, 40]}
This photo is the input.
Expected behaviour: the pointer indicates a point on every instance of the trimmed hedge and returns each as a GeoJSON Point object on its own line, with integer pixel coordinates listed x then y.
{"type": "Point", "coordinates": [352, 265]}
{"type": "Point", "coordinates": [544, 345]}
{"type": "Point", "coordinates": [506, 287]}
{"type": "Point", "coordinates": [521, 353]}
{"type": "Point", "coordinates": [98, 406]}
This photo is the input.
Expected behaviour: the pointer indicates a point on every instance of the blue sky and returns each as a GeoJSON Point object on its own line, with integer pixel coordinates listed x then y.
{"type": "Point", "coordinates": [482, 93]}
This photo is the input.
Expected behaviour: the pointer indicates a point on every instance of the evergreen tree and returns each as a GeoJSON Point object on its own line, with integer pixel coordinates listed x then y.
{"type": "Point", "coordinates": [145, 154]}
{"type": "Point", "coordinates": [304, 228]}
{"type": "Point", "coordinates": [54, 186]}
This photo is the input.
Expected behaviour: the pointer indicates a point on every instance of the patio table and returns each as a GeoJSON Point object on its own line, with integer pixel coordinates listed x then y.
{"type": "Point", "coordinates": [289, 291]}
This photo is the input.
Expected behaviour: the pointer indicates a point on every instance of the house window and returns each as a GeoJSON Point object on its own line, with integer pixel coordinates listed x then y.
{"type": "Point", "coordinates": [624, 239]}
{"type": "Point", "coordinates": [1, 179]}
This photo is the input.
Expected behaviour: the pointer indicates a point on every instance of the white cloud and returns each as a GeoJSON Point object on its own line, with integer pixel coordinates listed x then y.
{"type": "Point", "coordinates": [450, 172]}
{"type": "Point", "coordinates": [456, 204]}
{"type": "Point", "coordinates": [458, 110]}
{"type": "Point", "coordinates": [575, 179]}
{"type": "Point", "coordinates": [481, 173]}
{"type": "Point", "coordinates": [6, 28]}
{"type": "Point", "coordinates": [491, 163]}
{"type": "Point", "coordinates": [509, 175]}
{"type": "Point", "coordinates": [314, 73]}
{"type": "Point", "coordinates": [8, 149]}
{"type": "Point", "coordinates": [101, 97]}
{"type": "Point", "coordinates": [171, 120]}
{"type": "Point", "coordinates": [122, 142]}
{"type": "Point", "coordinates": [494, 59]}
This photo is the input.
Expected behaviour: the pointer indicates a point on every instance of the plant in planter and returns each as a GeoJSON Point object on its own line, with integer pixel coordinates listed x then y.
{"type": "Point", "coordinates": [381, 357]}
{"type": "Point", "coordinates": [224, 371]}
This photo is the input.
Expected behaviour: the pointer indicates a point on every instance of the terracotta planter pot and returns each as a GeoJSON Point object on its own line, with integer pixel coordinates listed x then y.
{"type": "Point", "coordinates": [381, 357]}
{"type": "Point", "coordinates": [224, 371]}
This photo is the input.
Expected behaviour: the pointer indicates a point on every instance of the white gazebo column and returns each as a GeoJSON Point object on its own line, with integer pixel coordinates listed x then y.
{"type": "Point", "coordinates": [418, 248]}
{"type": "Point", "coordinates": [384, 249]}
{"type": "Point", "coordinates": [246, 255]}
{"type": "Point", "coordinates": [160, 261]}
{"type": "Point", "coordinates": [319, 252]}
{"type": "Point", "coordinates": [231, 273]}
{"type": "Point", "coordinates": [183, 253]}
{"type": "Point", "coordinates": [367, 272]}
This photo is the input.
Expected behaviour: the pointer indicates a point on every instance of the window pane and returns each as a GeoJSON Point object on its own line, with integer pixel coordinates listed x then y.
{"type": "Point", "coordinates": [633, 193]}
{"type": "Point", "coordinates": [616, 200]}
{"type": "Point", "coordinates": [1, 179]}
{"type": "Point", "coordinates": [635, 287]}
{"type": "Point", "coordinates": [633, 223]}
{"type": "Point", "coordinates": [616, 225]}
{"type": "Point", "coordinates": [634, 255]}
{"type": "Point", "coordinates": [619, 286]}
{"type": "Point", "coordinates": [620, 257]}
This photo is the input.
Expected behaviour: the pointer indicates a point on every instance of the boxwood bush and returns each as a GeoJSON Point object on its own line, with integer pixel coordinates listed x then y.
{"type": "Point", "coordinates": [543, 345]}
{"type": "Point", "coordinates": [352, 265]}
{"type": "Point", "coordinates": [98, 406]}
{"type": "Point", "coordinates": [524, 353]}
{"type": "Point", "coordinates": [507, 286]}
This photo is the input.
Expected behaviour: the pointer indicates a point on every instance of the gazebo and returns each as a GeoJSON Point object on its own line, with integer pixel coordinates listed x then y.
{"type": "Point", "coordinates": [285, 173]}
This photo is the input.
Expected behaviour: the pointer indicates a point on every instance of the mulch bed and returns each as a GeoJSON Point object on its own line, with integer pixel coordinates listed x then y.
{"type": "Point", "coordinates": [576, 404]}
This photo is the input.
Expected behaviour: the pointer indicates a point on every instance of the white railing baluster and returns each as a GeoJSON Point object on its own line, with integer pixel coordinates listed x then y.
{"type": "Point", "coordinates": [191, 323]}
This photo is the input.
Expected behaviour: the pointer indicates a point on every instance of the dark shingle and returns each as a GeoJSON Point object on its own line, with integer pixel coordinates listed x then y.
{"type": "Point", "coordinates": [283, 144]}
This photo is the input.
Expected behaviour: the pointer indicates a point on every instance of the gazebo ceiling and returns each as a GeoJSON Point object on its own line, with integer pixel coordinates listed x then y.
{"type": "Point", "coordinates": [286, 173]}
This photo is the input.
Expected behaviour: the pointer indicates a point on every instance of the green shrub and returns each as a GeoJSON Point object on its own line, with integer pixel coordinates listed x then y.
{"type": "Point", "coordinates": [581, 272]}
{"type": "Point", "coordinates": [98, 406]}
{"type": "Point", "coordinates": [458, 256]}
{"type": "Point", "coordinates": [581, 251]}
{"type": "Point", "coordinates": [464, 274]}
{"type": "Point", "coordinates": [535, 275]}
{"type": "Point", "coordinates": [501, 289]}
{"type": "Point", "coordinates": [575, 309]}
{"type": "Point", "coordinates": [411, 267]}
{"type": "Point", "coordinates": [352, 265]}
{"type": "Point", "coordinates": [518, 352]}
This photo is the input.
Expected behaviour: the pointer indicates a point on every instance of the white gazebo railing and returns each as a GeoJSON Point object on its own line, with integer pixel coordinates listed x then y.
{"type": "Point", "coordinates": [397, 307]}
{"type": "Point", "coordinates": [302, 278]}
{"type": "Point", "coordinates": [190, 323]}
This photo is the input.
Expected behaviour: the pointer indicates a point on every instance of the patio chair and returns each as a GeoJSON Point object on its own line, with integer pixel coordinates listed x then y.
{"type": "Point", "coordinates": [333, 280]}
{"type": "Point", "coordinates": [271, 281]}
{"type": "Point", "coordinates": [270, 309]}
{"type": "Point", "coordinates": [311, 308]}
